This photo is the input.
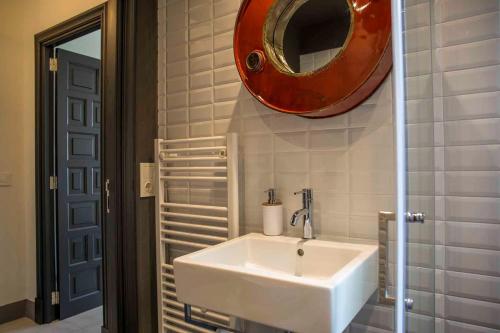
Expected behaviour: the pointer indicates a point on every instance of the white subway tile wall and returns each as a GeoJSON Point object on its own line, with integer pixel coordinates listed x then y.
{"type": "Point", "coordinates": [454, 149]}
{"type": "Point", "coordinates": [466, 58]}
{"type": "Point", "coordinates": [348, 160]}
{"type": "Point", "coordinates": [421, 138]}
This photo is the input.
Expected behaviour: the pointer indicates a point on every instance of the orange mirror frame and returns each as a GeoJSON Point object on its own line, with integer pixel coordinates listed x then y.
{"type": "Point", "coordinates": [345, 82]}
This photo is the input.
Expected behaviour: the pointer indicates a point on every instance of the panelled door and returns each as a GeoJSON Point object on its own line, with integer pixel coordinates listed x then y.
{"type": "Point", "coordinates": [78, 109]}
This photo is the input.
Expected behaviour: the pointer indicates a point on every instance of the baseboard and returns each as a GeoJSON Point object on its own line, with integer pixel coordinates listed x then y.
{"type": "Point", "coordinates": [30, 309]}
{"type": "Point", "coordinates": [16, 310]}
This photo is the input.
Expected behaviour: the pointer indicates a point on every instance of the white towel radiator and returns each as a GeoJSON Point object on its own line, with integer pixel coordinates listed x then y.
{"type": "Point", "coordinates": [184, 225]}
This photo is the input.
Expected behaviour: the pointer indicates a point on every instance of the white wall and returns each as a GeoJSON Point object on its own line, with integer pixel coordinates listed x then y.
{"type": "Point", "coordinates": [88, 45]}
{"type": "Point", "coordinates": [13, 242]}
{"type": "Point", "coordinates": [21, 20]}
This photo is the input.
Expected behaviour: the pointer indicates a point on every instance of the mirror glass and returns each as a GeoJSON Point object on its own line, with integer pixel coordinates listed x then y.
{"type": "Point", "coordinates": [302, 36]}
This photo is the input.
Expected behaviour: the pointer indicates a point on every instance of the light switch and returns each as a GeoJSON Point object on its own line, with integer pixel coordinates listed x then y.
{"type": "Point", "coordinates": [147, 174]}
{"type": "Point", "coordinates": [5, 179]}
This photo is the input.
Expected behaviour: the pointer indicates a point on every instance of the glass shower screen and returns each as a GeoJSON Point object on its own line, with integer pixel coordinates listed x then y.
{"type": "Point", "coordinates": [414, 244]}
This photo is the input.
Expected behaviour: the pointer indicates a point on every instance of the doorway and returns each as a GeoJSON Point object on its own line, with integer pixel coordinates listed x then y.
{"type": "Point", "coordinates": [74, 161]}
{"type": "Point", "coordinates": [128, 62]}
{"type": "Point", "coordinates": [72, 105]}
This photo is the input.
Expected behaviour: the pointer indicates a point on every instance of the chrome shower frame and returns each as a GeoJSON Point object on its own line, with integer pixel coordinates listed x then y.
{"type": "Point", "coordinates": [399, 107]}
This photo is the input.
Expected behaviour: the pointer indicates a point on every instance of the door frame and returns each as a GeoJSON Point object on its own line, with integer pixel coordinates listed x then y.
{"type": "Point", "coordinates": [129, 125]}
{"type": "Point", "coordinates": [106, 17]}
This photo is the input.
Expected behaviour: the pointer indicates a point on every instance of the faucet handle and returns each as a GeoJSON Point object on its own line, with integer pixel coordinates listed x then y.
{"type": "Point", "coordinates": [304, 190]}
{"type": "Point", "coordinates": [306, 193]}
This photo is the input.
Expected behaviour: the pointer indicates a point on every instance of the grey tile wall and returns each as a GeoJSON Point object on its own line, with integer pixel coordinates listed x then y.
{"type": "Point", "coordinates": [466, 55]}
{"type": "Point", "coordinates": [421, 136]}
{"type": "Point", "coordinates": [454, 150]}
{"type": "Point", "coordinates": [347, 160]}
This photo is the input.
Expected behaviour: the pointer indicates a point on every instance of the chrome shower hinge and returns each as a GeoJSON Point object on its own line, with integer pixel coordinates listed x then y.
{"type": "Point", "coordinates": [415, 217]}
{"type": "Point", "coordinates": [409, 303]}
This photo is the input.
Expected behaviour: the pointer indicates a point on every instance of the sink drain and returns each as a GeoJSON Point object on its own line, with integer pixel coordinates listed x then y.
{"type": "Point", "coordinates": [300, 252]}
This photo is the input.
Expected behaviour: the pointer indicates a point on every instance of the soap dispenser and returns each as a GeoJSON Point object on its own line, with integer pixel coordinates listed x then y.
{"type": "Point", "coordinates": [272, 214]}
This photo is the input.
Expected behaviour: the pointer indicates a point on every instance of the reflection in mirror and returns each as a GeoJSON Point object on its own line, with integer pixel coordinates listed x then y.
{"type": "Point", "coordinates": [302, 36]}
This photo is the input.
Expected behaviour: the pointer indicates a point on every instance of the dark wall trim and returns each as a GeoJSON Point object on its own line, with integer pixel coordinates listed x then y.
{"type": "Point", "coordinates": [115, 265]}
{"type": "Point", "coordinates": [16, 310]}
{"type": "Point", "coordinates": [129, 208]}
{"type": "Point", "coordinates": [143, 110]}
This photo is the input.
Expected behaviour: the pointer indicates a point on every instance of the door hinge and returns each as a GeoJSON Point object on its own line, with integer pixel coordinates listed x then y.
{"type": "Point", "coordinates": [409, 303]}
{"type": "Point", "coordinates": [415, 217]}
{"type": "Point", "coordinates": [53, 182]}
{"type": "Point", "coordinates": [53, 64]}
{"type": "Point", "coordinates": [54, 298]}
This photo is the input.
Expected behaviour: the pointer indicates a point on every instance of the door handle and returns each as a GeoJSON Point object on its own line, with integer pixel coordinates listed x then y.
{"type": "Point", "coordinates": [107, 196]}
{"type": "Point", "coordinates": [383, 251]}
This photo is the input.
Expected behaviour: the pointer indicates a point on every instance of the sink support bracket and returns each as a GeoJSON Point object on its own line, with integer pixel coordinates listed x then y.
{"type": "Point", "coordinates": [188, 318]}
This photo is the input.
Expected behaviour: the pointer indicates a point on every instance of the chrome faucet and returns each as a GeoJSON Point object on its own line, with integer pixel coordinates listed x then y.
{"type": "Point", "coordinates": [306, 213]}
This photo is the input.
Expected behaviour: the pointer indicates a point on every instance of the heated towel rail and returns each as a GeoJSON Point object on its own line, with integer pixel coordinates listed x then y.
{"type": "Point", "coordinates": [186, 222]}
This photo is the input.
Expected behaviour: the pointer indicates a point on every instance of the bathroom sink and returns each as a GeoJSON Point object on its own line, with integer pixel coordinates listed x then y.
{"type": "Point", "coordinates": [309, 286]}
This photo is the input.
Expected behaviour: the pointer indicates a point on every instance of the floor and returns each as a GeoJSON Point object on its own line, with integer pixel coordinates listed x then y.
{"type": "Point", "coordinates": [87, 322]}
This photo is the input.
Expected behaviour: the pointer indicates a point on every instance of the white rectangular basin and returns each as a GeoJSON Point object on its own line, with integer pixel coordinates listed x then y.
{"type": "Point", "coordinates": [264, 279]}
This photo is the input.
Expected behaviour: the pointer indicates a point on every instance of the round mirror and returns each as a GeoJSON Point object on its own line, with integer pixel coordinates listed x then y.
{"type": "Point", "coordinates": [313, 58]}
{"type": "Point", "coordinates": [304, 36]}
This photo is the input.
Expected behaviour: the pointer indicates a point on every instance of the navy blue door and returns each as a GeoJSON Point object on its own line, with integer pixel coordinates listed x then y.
{"type": "Point", "coordinates": [78, 110]}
